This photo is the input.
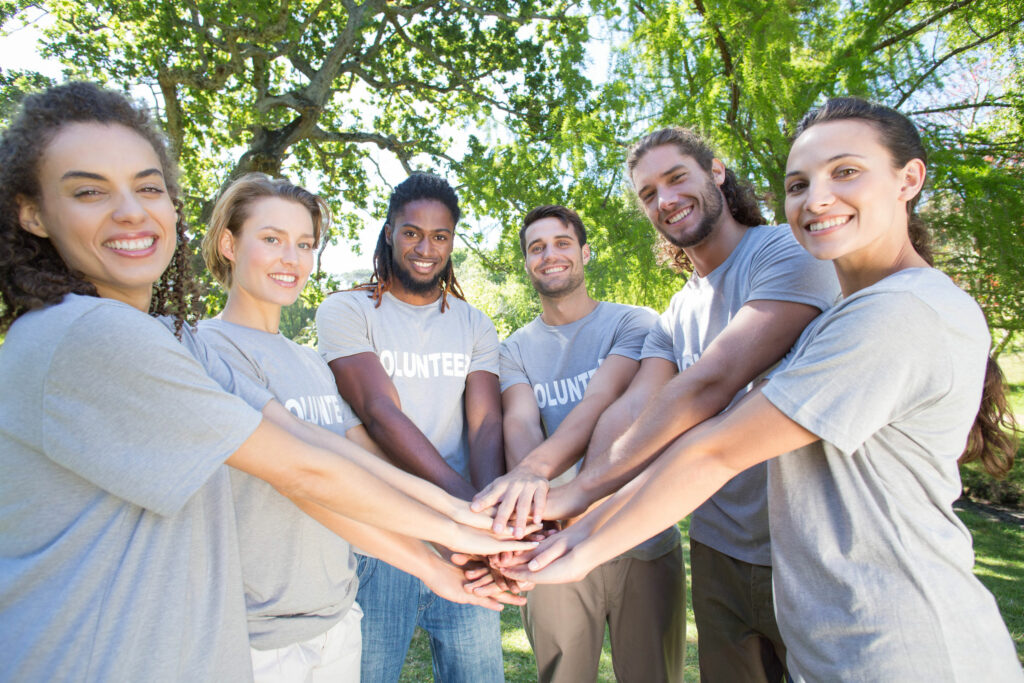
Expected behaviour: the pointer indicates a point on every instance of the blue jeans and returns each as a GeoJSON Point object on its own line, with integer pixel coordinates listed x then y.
{"type": "Point", "coordinates": [465, 640]}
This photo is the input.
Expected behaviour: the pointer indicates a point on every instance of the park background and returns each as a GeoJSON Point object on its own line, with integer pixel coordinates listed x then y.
{"type": "Point", "coordinates": [526, 103]}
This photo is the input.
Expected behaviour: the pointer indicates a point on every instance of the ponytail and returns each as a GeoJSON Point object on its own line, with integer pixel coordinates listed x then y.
{"type": "Point", "coordinates": [993, 437]}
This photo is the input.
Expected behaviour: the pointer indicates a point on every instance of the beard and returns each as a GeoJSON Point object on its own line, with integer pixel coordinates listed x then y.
{"type": "Point", "coordinates": [554, 292]}
{"type": "Point", "coordinates": [711, 204]}
{"type": "Point", "coordinates": [409, 281]}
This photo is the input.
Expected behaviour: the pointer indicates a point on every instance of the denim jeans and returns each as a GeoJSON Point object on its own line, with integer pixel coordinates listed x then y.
{"type": "Point", "coordinates": [465, 640]}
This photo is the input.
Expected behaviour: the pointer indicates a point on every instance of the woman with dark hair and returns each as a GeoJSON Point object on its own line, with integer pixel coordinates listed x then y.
{"type": "Point", "coordinates": [864, 423]}
{"type": "Point", "coordinates": [117, 534]}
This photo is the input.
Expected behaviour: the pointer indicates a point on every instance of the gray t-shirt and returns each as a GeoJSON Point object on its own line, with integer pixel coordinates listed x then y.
{"type": "Point", "coordinates": [557, 362]}
{"type": "Point", "coordinates": [118, 551]}
{"type": "Point", "coordinates": [767, 264]}
{"type": "Point", "coordinates": [299, 577]}
{"type": "Point", "coordinates": [872, 568]}
{"type": "Point", "coordinates": [426, 353]}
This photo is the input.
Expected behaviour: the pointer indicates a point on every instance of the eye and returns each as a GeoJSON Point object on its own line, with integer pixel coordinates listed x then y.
{"type": "Point", "coordinates": [152, 189]}
{"type": "Point", "coordinates": [441, 237]}
{"type": "Point", "coordinates": [270, 239]}
{"type": "Point", "coordinates": [86, 192]}
{"type": "Point", "coordinates": [795, 187]}
{"type": "Point", "coordinates": [564, 244]}
{"type": "Point", "coordinates": [846, 172]}
{"type": "Point", "coordinates": [411, 234]}
{"type": "Point", "coordinates": [305, 245]}
{"type": "Point", "coordinates": [678, 177]}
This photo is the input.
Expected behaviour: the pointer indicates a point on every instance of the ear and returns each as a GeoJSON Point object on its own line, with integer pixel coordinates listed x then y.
{"type": "Point", "coordinates": [227, 245]}
{"type": "Point", "coordinates": [718, 171]}
{"type": "Point", "coordinates": [586, 254]}
{"type": "Point", "coordinates": [30, 218]}
{"type": "Point", "coordinates": [387, 234]}
{"type": "Point", "coordinates": [912, 179]}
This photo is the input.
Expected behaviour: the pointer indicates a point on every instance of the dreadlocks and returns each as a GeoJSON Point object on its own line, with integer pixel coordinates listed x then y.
{"type": "Point", "coordinates": [416, 186]}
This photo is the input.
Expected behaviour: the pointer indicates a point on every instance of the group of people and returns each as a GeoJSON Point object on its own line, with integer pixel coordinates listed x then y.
{"type": "Point", "coordinates": [807, 396]}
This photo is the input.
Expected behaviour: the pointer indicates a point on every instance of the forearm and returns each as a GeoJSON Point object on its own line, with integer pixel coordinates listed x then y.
{"type": "Point", "coordinates": [410, 485]}
{"type": "Point", "coordinates": [486, 451]}
{"type": "Point", "coordinates": [680, 405]}
{"type": "Point", "coordinates": [521, 437]}
{"type": "Point", "coordinates": [408, 448]}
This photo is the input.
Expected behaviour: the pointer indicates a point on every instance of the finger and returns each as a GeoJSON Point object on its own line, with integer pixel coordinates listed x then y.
{"type": "Point", "coordinates": [460, 559]}
{"type": "Point", "coordinates": [483, 581]}
{"type": "Point", "coordinates": [510, 598]}
{"type": "Point", "coordinates": [540, 499]}
{"type": "Point", "coordinates": [490, 496]}
{"type": "Point", "coordinates": [476, 573]}
{"type": "Point", "coordinates": [506, 508]}
{"type": "Point", "coordinates": [523, 505]}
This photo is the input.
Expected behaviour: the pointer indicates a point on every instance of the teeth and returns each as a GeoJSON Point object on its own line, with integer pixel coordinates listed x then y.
{"type": "Point", "coordinates": [138, 244]}
{"type": "Point", "coordinates": [679, 215]}
{"type": "Point", "coordinates": [553, 269]}
{"type": "Point", "coordinates": [422, 264]}
{"type": "Point", "coordinates": [830, 223]}
{"type": "Point", "coordinates": [283, 278]}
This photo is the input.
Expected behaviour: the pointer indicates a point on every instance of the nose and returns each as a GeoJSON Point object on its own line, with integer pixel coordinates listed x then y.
{"type": "Point", "coordinates": [128, 209]}
{"type": "Point", "coordinates": [666, 200]}
{"type": "Point", "coordinates": [422, 246]}
{"type": "Point", "coordinates": [290, 254]}
{"type": "Point", "coordinates": [819, 196]}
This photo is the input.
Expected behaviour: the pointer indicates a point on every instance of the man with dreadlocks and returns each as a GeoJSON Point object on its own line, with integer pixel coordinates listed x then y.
{"type": "Point", "coordinates": [419, 366]}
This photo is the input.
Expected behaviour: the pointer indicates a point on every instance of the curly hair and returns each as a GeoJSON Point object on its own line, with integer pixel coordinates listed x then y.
{"type": "Point", "coordinates": [32, 273]}
{"type": "Point", "coordinates": [992, 439]}
{"type": "Point", "coordinates": [233, 208]}
{"type": "Point", "coordinates": [416, 186]}
{"type": "Point", "coordinates": [739, 197]}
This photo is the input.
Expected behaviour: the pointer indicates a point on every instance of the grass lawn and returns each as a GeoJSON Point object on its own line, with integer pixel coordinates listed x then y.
{"type": "Point", "coordinates": [1013, 368]}
{"type": "Point", "coordinates": [1000, 566]}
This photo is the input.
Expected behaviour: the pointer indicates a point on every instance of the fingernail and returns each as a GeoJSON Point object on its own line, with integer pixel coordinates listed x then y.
{"type": "Point", "coordinates": [533, 565]}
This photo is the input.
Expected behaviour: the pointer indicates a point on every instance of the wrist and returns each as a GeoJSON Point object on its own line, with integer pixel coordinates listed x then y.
{"type": "Point", "coordinates": [538, 464]}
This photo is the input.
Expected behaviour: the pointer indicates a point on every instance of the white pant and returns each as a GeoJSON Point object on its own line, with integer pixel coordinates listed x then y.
{"type": "Point", "coordinates": [331, 657]}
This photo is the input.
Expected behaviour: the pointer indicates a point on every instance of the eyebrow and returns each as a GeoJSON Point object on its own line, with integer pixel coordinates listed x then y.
{"type": "Point", "coordinates": [96, 176]}
{"type": "Point", "coordinates": [282, 231]}
{"type": "Point", "coordinates": [841, 155]}
{"type": "Point", "coordinates": [559, 236]}
{"type": "Point", "coordinates": [663, 174]}
{"type": "Point", "coordinates": [413, 225]}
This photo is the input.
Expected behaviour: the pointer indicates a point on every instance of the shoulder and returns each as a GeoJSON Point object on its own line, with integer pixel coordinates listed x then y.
{"type": "Point", "coordinates": [640, 315]}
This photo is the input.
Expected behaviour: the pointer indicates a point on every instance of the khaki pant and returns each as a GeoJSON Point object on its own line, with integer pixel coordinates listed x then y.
{"type": "Point", "coordinates": [644, 606]}
{"type": "Point", "coordinates": [737, 637]}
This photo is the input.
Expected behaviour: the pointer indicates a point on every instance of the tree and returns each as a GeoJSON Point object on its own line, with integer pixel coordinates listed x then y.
{"type": "Point", "coordinates": [309, 88]}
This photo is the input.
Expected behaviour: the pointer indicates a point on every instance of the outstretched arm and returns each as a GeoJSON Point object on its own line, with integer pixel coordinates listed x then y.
{"type": "Point", "coordinates": [524, 490]}
{"type": "Point", "coordinates": [366, 387]}
{"type": "Point", "coordinates": [304, 472]}
{"type": "Point", "coordinates": [411, 556]}
{"type": "Point", "coordinates": [758, 336]}
{"type": "Point", "coordinates": [369, 457]}
{"type": "Point", "coordinates": [689, 472]}
{"type": "Point", "coordinates": [483, 428]}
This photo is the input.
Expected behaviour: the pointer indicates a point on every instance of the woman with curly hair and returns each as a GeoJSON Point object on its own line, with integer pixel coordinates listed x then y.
{"type": "Point", "coordinates": [117, 533]}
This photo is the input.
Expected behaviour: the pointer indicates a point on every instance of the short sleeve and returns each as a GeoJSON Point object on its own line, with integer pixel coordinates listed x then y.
{"type": "Point", "coordinates": [342, 327]}
{"type": "Point", "coordinates": [485, 345]}
{"type": "Point", "coordinates": [631, 332]}
{"type": "Point", "coordinates": [658, 343]}
{"type": "Point", "coordinates": [867, 364]}
{"type": "Point", "coordinates": [782, 270]}
{"type": "Point", "coordinates": [129, 409]}
{"type": "Point", "coordinates": [512, 371]}
{"type": "Point", "coordinates": [235, 379]}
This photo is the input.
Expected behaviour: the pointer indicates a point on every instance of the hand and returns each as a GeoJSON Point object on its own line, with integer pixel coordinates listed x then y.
{"type": "Point", "coordinates": [521, 493]}
{"type": "Point", "coordinates": [476, 542]}
{"type": "Point", "coordinates": [460, 511]}
{"type": "Point", "coordinates": [448, 581]}
{"type": "Point", "coordinates": [565, 502]}
{"type": "Point", "coordinates": [486, 581]}
{"type": "Point", "coordinates": [567, 569]}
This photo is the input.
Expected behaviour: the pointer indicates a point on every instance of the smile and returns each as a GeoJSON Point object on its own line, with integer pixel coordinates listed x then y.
{"type": "Point", "coordinates": [679, 215]}
{"type": "Point", "coordinates": [553, 269]}
{"type": "Point", "coordinates": [283, 278]}
{"type": "Point", "coordinates": [826, 224]}
{"type": "Point", "coordinates": [131, 245]}
{"type": "Point", "coordinates": [424, 266]}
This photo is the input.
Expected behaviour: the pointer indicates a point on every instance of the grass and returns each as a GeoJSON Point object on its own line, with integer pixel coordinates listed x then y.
{"type": "Point", "coordinates": [1013, 369]}
{"type": "Point", "coordinates": [999, 549]}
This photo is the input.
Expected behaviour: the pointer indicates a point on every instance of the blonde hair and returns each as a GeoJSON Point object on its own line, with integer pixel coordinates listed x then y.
{"type": "Point", "coordinates": [232, 209]}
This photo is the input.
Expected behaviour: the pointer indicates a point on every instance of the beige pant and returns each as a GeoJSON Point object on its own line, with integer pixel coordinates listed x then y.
{"type": "Point", "coordinates": [737, 637]}
{"type": "Point", "coordinates": [331, 657]}
{"type": "Point", "coordinates": [642, 602]}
